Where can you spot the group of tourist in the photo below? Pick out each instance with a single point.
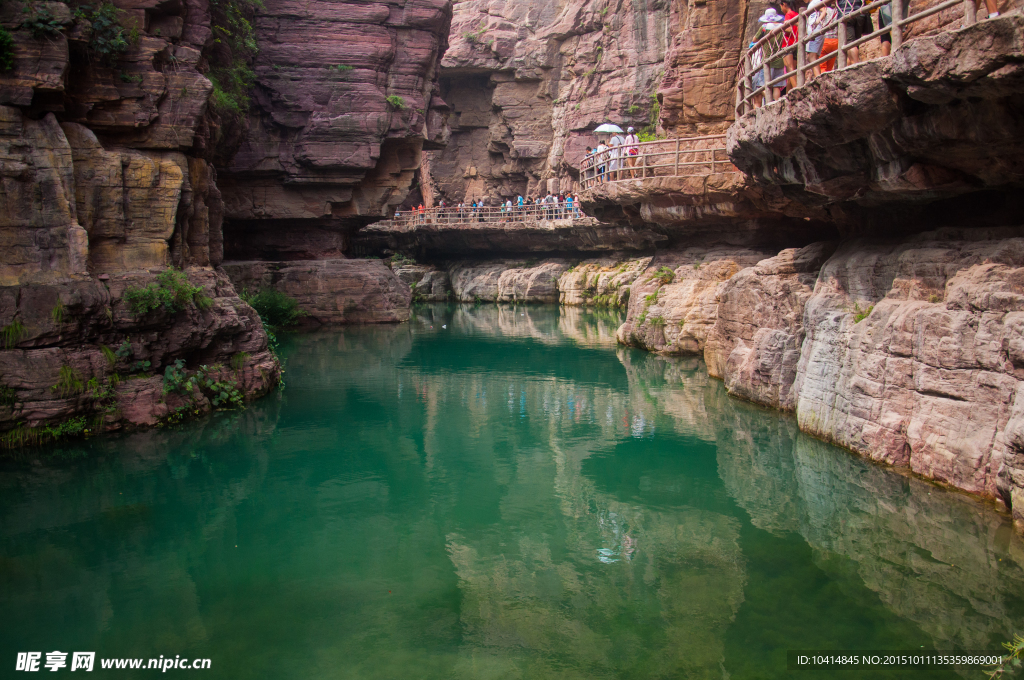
(618, 159)
(823, 24)
(550, 207)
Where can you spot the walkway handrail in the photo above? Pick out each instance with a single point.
(452, 215)
(675, 157)
(746, 92)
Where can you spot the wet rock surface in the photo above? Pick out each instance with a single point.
(330, 291)
(755, 343)
(673, 304)
(56, 367)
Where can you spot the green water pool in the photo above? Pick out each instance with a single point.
(491, 492)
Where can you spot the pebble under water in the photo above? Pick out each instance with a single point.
(492, 492)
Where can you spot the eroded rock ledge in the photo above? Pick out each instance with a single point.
(901, 142)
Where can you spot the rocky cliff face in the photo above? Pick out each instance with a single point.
(528, 81)
(106, 182)
(109, 129)
(930, 137)
(346, 100)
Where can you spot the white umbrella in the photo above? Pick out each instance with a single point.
(608, 127)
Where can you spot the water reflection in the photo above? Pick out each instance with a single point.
(492, 492)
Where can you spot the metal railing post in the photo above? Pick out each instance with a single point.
(801, 44)
(767, 76)
(841, 56)
(970, 13)
(748, 81)
(895, 30)
(677, 156)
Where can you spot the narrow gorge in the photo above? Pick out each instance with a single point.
(855, 257)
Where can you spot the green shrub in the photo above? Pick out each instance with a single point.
(124, 351)
(72, 427)
(8, 396)
(40, 22)
(220, 393)
(664, 275)
(108, 39)
(230, 72)
(399, 259)
(340, 68)
(396, 102)
(276, 309)
(12, 333)
(172, 292)
(238, 361)
(649, 132)
(6, 50)
(69, 382)
(473, 37)
(109, 355)
(231, 87)
(861, 314)
(57, 313)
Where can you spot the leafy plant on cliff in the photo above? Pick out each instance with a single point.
(40, 22)
(649, 132)
(396, 102)
(57, 313)
(12, 333)
(69, 382)
(172, 292)
(275, 308)
(235, 40)
(108, 39)
(1009, 663)
(6, 50)
(221, 393)
(861, 314)
(473, 37)
(664, 275)
(8, 396)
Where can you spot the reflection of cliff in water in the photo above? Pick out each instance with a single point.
(542, 506)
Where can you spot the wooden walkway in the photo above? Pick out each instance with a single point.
(677, 157)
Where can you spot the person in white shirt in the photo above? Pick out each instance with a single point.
(614, 153)
(632, 151)
(601, 154)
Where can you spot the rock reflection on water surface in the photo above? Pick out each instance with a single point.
(492, 492)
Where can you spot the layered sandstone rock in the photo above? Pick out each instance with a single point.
(673, 304)
(937, 120)
(330, 291)
(346, 100)
(427, 282)
(910, 356)
(105, 186)
(504, 281)
(55, 368)
(604, 282)
(755, 343)
(442, 239)
(529, 81)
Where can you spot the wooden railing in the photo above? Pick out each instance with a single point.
(678, 157)
(747, 96)
(408, 220)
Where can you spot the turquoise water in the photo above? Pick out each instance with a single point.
(492, 493)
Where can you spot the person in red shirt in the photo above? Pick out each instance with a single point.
(790, 8)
